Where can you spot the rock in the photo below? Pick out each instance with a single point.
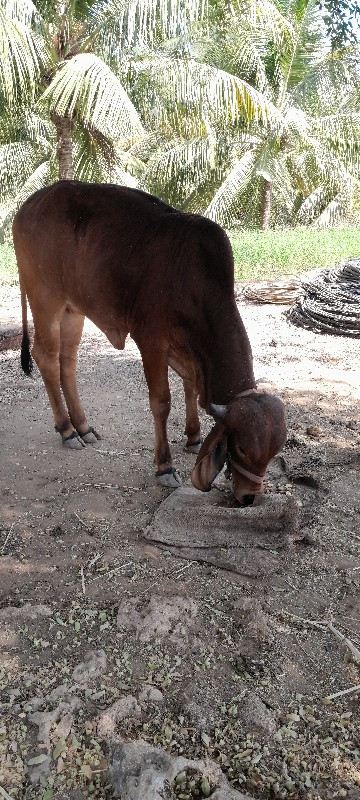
(252, 618)
(27, 611)
(90, 669)
(158, 618)
(202, 715)
(314, 431)
(62, 715)
(44, 720)
(126, 707)
(139, 771)
(63, 727)
(150, 694)
(61, 692)
(38, 772)
(256, 717)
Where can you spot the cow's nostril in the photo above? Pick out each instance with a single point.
(248, 500)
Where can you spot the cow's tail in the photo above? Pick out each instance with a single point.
(26, 360)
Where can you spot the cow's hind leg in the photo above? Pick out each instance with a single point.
(156, 373)
(46, 350)
(192, 429)
(71, 328)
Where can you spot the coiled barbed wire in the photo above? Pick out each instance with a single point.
(330, 301)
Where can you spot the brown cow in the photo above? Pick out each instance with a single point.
(133, 264)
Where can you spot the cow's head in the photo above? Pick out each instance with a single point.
(248, 433)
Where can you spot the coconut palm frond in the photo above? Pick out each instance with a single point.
(191, 85)
(265, 15)
(308, 46)
(221, 207)
(20, 59)
(176, 169)
(85, 84)
(141, 21)
(332, 213)
(311, 206)
(40, 177)
(17, 161)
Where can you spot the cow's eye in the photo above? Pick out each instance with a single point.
(241, 450)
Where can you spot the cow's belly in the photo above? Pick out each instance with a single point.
(183, 365)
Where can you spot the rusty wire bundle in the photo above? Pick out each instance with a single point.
(330, 301)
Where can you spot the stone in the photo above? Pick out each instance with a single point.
(64, 726)
(150, 694)
(44, 721)
(27, 611)
(93, 666)
(159, 618)
(126, 707)
(256, 717)
(139, 771)
(252, 618)
(38, 772)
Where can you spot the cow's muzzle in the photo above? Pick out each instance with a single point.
(246, 485)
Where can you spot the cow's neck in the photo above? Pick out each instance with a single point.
(227, 364)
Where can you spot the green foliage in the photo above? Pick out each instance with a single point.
(263, 256)
(8, 267)
(342, 19)
(202, 102)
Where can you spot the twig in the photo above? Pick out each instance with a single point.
(292, 586)
(82, 579)
(5, 795)
(7, 538)
(111, 572)
(186, 566)
(315, 623)
(82, 521)
(94, 560)
(343, 692)
(350, 646)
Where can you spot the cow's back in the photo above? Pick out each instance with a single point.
(119, 253)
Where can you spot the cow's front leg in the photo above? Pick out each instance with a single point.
(192, 428)
(156, 373)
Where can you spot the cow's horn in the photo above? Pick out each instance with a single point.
(219, 412)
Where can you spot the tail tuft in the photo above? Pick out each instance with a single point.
(26, 360)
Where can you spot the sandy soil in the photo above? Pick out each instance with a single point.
(72, 552)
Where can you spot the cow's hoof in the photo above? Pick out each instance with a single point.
(90, 437)
(170, 479)
(193, 448)
(74, 441)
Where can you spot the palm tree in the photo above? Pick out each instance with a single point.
(102, 72)
(298, 161)
(307, 161)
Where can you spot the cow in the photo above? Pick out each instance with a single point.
(134, 265)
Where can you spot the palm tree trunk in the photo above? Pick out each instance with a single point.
(64, 127)
(266, 205)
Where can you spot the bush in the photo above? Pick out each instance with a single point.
(260, 256)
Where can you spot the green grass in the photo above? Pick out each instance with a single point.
(8, 268)
(261, 256)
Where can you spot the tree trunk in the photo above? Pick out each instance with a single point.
(266, 205)
(64, 127)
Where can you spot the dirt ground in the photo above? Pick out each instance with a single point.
(246, 664)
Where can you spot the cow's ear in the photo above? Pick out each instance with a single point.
(211, 458)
